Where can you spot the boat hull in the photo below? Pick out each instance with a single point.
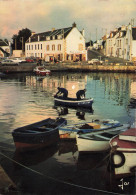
(37, 135)
(74, 103)
(30, 142)
(123, 153)
(85, 145)
(128, 167)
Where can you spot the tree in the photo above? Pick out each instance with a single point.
(20, 39)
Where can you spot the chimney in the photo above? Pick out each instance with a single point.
(53, 29)
(83, 32)
(74, 25)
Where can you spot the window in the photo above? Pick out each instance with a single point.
(120, 43)
(80, 47)
(41, 46)
(48, 38)
(35, 46)
(59, 47)
(53, 47)
(59, 36)
(53, 37)
(38, 46)
(32, 47)
(47, 48)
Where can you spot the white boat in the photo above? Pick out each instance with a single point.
(70, 131)
(98, 141)
(123, 153)
(41, 71)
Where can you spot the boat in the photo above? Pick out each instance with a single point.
(123, 153)
(98, 141)
(41, 71)
(70, 131)
(73, 102)
(37, 135)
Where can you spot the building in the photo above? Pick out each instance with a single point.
(5, 48)
(66, 44)
(121, 43)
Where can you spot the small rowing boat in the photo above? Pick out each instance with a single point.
(70, 131)
(73, 102)
(38, 135)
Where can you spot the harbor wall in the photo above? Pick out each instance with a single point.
(82, 67)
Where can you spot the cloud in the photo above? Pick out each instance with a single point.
(41, 15)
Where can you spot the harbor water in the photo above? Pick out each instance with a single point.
(60, 169)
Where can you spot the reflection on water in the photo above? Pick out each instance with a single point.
(24, 99)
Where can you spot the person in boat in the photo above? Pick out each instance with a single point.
(63, 92)
(81, 94)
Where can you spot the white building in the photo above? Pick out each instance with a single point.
(122, 43)
(61, 44)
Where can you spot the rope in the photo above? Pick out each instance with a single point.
(57, 180)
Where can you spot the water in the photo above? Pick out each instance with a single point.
(60, 169)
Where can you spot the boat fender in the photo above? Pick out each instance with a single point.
(122, 159)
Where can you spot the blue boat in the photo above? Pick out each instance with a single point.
(70, 131)
(73, 102)
(38, 135)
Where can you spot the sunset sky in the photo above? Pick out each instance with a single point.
(42, 15)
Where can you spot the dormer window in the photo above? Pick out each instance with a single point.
(53, 37)
(59, 36)
(48, 38)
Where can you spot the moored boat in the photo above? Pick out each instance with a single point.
(70, 131)
(123, 153)
(38, 135)
(41, 71)
(98, 141)
(73, 102)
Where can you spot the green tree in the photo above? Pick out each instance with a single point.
(20, 39)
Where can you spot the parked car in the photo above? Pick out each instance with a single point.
(9, 62)
(29, 60)
(95, 61)
(18, 60)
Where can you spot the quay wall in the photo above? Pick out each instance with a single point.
(93, 68)
(71, 67)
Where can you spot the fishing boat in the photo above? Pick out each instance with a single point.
(70, 131)
(41, 71)
(38, 135)
(73, 102)
(98, 141)
(123, 153)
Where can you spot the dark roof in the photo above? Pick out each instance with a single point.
(123, 34)
(42, 36)
(134, 33)
(3, 43)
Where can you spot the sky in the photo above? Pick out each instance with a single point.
(96, 17)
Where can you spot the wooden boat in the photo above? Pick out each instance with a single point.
(70, 131)
(73, 102)
(38, 135)
(41, 71)
(98, 141)
(123, 153)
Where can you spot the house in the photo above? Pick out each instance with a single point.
(66, 44)
(5, 48)
(121, 43)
